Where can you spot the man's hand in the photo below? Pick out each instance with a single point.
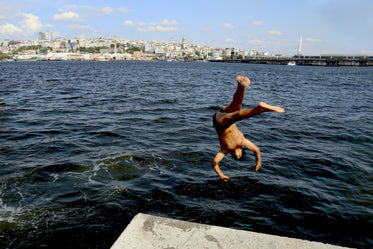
(225, 178)
(258, 166)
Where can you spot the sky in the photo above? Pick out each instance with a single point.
(326, 26)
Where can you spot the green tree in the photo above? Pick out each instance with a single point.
(33, 47)
(4, 56)
(133, 49)
(91, 50)
(45, 50)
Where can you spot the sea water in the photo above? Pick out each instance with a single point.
(85, 146)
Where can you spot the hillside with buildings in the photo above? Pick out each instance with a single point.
(114, 48)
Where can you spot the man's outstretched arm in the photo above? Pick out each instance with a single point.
(215, 164)
(251, 146)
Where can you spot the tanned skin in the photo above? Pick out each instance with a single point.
(230, 138)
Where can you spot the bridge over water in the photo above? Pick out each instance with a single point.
(328, 61)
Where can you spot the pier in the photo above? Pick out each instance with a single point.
(327, 61)
(148, 232)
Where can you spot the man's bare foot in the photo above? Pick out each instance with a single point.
(257, 167)
(243, 81)
(268, 108)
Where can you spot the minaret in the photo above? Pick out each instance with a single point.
(300, 46)
(183, 44)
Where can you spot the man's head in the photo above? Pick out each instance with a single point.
(238, 154)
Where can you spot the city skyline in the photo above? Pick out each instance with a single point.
(327, 27)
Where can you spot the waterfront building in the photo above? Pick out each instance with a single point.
(41, 36)
(159, 50)
(44, 43)
(115, 38)
(166, 49)
(48, 36)
(147, 48)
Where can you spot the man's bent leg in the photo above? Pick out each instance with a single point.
(233, 117)
(269, 108)
(238, 96)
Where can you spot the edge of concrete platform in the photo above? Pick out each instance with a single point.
(148, 231)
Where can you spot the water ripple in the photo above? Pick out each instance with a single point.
(85, 146)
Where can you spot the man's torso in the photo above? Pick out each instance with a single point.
(230, 138)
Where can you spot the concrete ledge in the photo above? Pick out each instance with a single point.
(146, 231)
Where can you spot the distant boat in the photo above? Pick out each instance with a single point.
(102, 59)
(291, 63)
(26, 59)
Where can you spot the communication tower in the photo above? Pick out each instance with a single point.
(300, 46)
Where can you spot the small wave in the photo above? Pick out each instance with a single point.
(354, 139)
(63, 167)
(122, 167)
(8, 214)
(51, 80)
(214, 107)
(167, 101)
(24, 136)
(55, 132)
(163, 119)
(104, 134)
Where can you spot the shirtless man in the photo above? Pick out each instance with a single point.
(230, 138)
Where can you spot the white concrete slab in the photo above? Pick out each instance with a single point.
(147, 231)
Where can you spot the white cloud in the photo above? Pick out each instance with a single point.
(313, 40)
(6, 13)
(158, 28)
(71, 7)
(123, 10)
(274, 32)
(166, 22)
(106, 10)
(144, 24)
(28, 25)
(67, 17)
(164, 26)
(256, 42)
(230, 40)
(228, 25)
(9, 29)
(129, 23)
(31, 23)
(86, 11)
(257, 23)
(91, 11)
(81, 27)
(166, 29)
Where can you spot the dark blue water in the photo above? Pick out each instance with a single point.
(85, 146)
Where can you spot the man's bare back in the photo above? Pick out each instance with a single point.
(230, 138)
